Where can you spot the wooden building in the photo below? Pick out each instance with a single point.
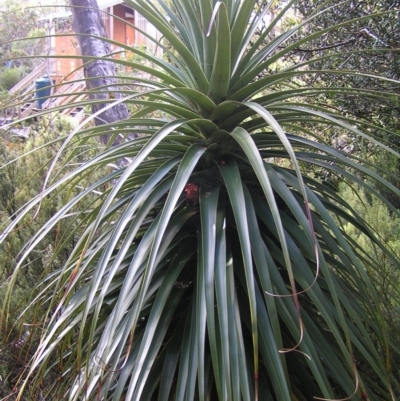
(63, 65)
(119, 20)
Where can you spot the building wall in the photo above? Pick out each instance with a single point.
(119, 26)
(130, 32)
(66, 46)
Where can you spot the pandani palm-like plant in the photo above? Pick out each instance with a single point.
(213, 266)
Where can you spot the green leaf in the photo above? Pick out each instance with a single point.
(221, 71)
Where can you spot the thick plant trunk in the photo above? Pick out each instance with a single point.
(88, 23)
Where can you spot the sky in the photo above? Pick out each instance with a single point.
(38, 2)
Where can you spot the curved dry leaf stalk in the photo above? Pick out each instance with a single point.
(355, 371)
(301, 327)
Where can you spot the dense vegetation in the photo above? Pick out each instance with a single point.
(17, 55)
(22, 178)
(248, 250)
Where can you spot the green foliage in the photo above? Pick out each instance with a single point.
(17, 24)
(387, 228)
(358, 37)
(20, 180)
(10, 77)
(367, 43)
(386, 277)
(205, 269)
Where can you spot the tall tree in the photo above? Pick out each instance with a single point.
(100, 71)
(214, 266)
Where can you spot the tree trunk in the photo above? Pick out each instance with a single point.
(100, 73)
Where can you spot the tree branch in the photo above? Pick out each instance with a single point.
(325, 47)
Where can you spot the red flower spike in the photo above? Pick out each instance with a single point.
(192, 193)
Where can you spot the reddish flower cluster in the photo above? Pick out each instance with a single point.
(192, 193)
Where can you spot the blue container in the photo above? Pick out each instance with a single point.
(43, 90)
